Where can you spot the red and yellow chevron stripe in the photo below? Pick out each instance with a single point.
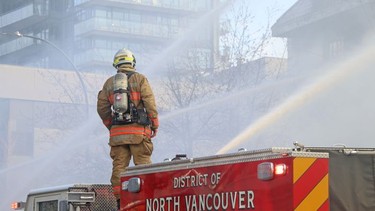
(310, 184)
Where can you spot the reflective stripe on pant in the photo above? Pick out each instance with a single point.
(121, 156)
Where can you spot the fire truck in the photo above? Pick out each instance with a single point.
(72, 197)
(296, 178)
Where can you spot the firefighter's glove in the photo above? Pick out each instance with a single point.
(154, 132)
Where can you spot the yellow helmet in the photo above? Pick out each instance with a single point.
(124, 56)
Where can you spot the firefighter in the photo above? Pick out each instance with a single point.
(132, 128)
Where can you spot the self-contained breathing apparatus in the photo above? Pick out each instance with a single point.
(124, 110)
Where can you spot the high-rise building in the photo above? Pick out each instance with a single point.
(49, 20)
(322, 32)
(89, 32)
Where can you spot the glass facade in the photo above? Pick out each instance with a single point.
(193, 5)
(130, 23)
(147, 28)
(90, 32)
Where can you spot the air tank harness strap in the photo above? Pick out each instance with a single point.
(120, 91)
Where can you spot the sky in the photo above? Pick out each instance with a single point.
(261, 8)
(273, 9)
(276, 46)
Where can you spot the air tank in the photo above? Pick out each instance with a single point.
(120, 104)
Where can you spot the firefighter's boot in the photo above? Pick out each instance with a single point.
(118, 204)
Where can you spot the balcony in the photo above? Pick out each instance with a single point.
(121, 28)
(15, 45)
(182, 5)
(23, 17)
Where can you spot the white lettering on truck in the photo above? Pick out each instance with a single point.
(187, 181)
(163, 204)
(243, 200)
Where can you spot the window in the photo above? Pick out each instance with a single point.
(100, 13)
(336, 48)
(135, 17)
(118, 14)
(100, 43)
(48, 205)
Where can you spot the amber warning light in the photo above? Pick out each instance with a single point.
(17, 205)
(280, 169)
(268, 170)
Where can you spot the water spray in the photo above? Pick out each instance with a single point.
(340, 73)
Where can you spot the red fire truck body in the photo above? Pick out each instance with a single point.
(300, 178)
(272, 179)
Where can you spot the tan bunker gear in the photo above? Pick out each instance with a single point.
(128, 140)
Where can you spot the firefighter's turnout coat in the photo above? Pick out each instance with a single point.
(141, 95)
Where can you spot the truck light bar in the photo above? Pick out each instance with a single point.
(18, 205)
(268, 170)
